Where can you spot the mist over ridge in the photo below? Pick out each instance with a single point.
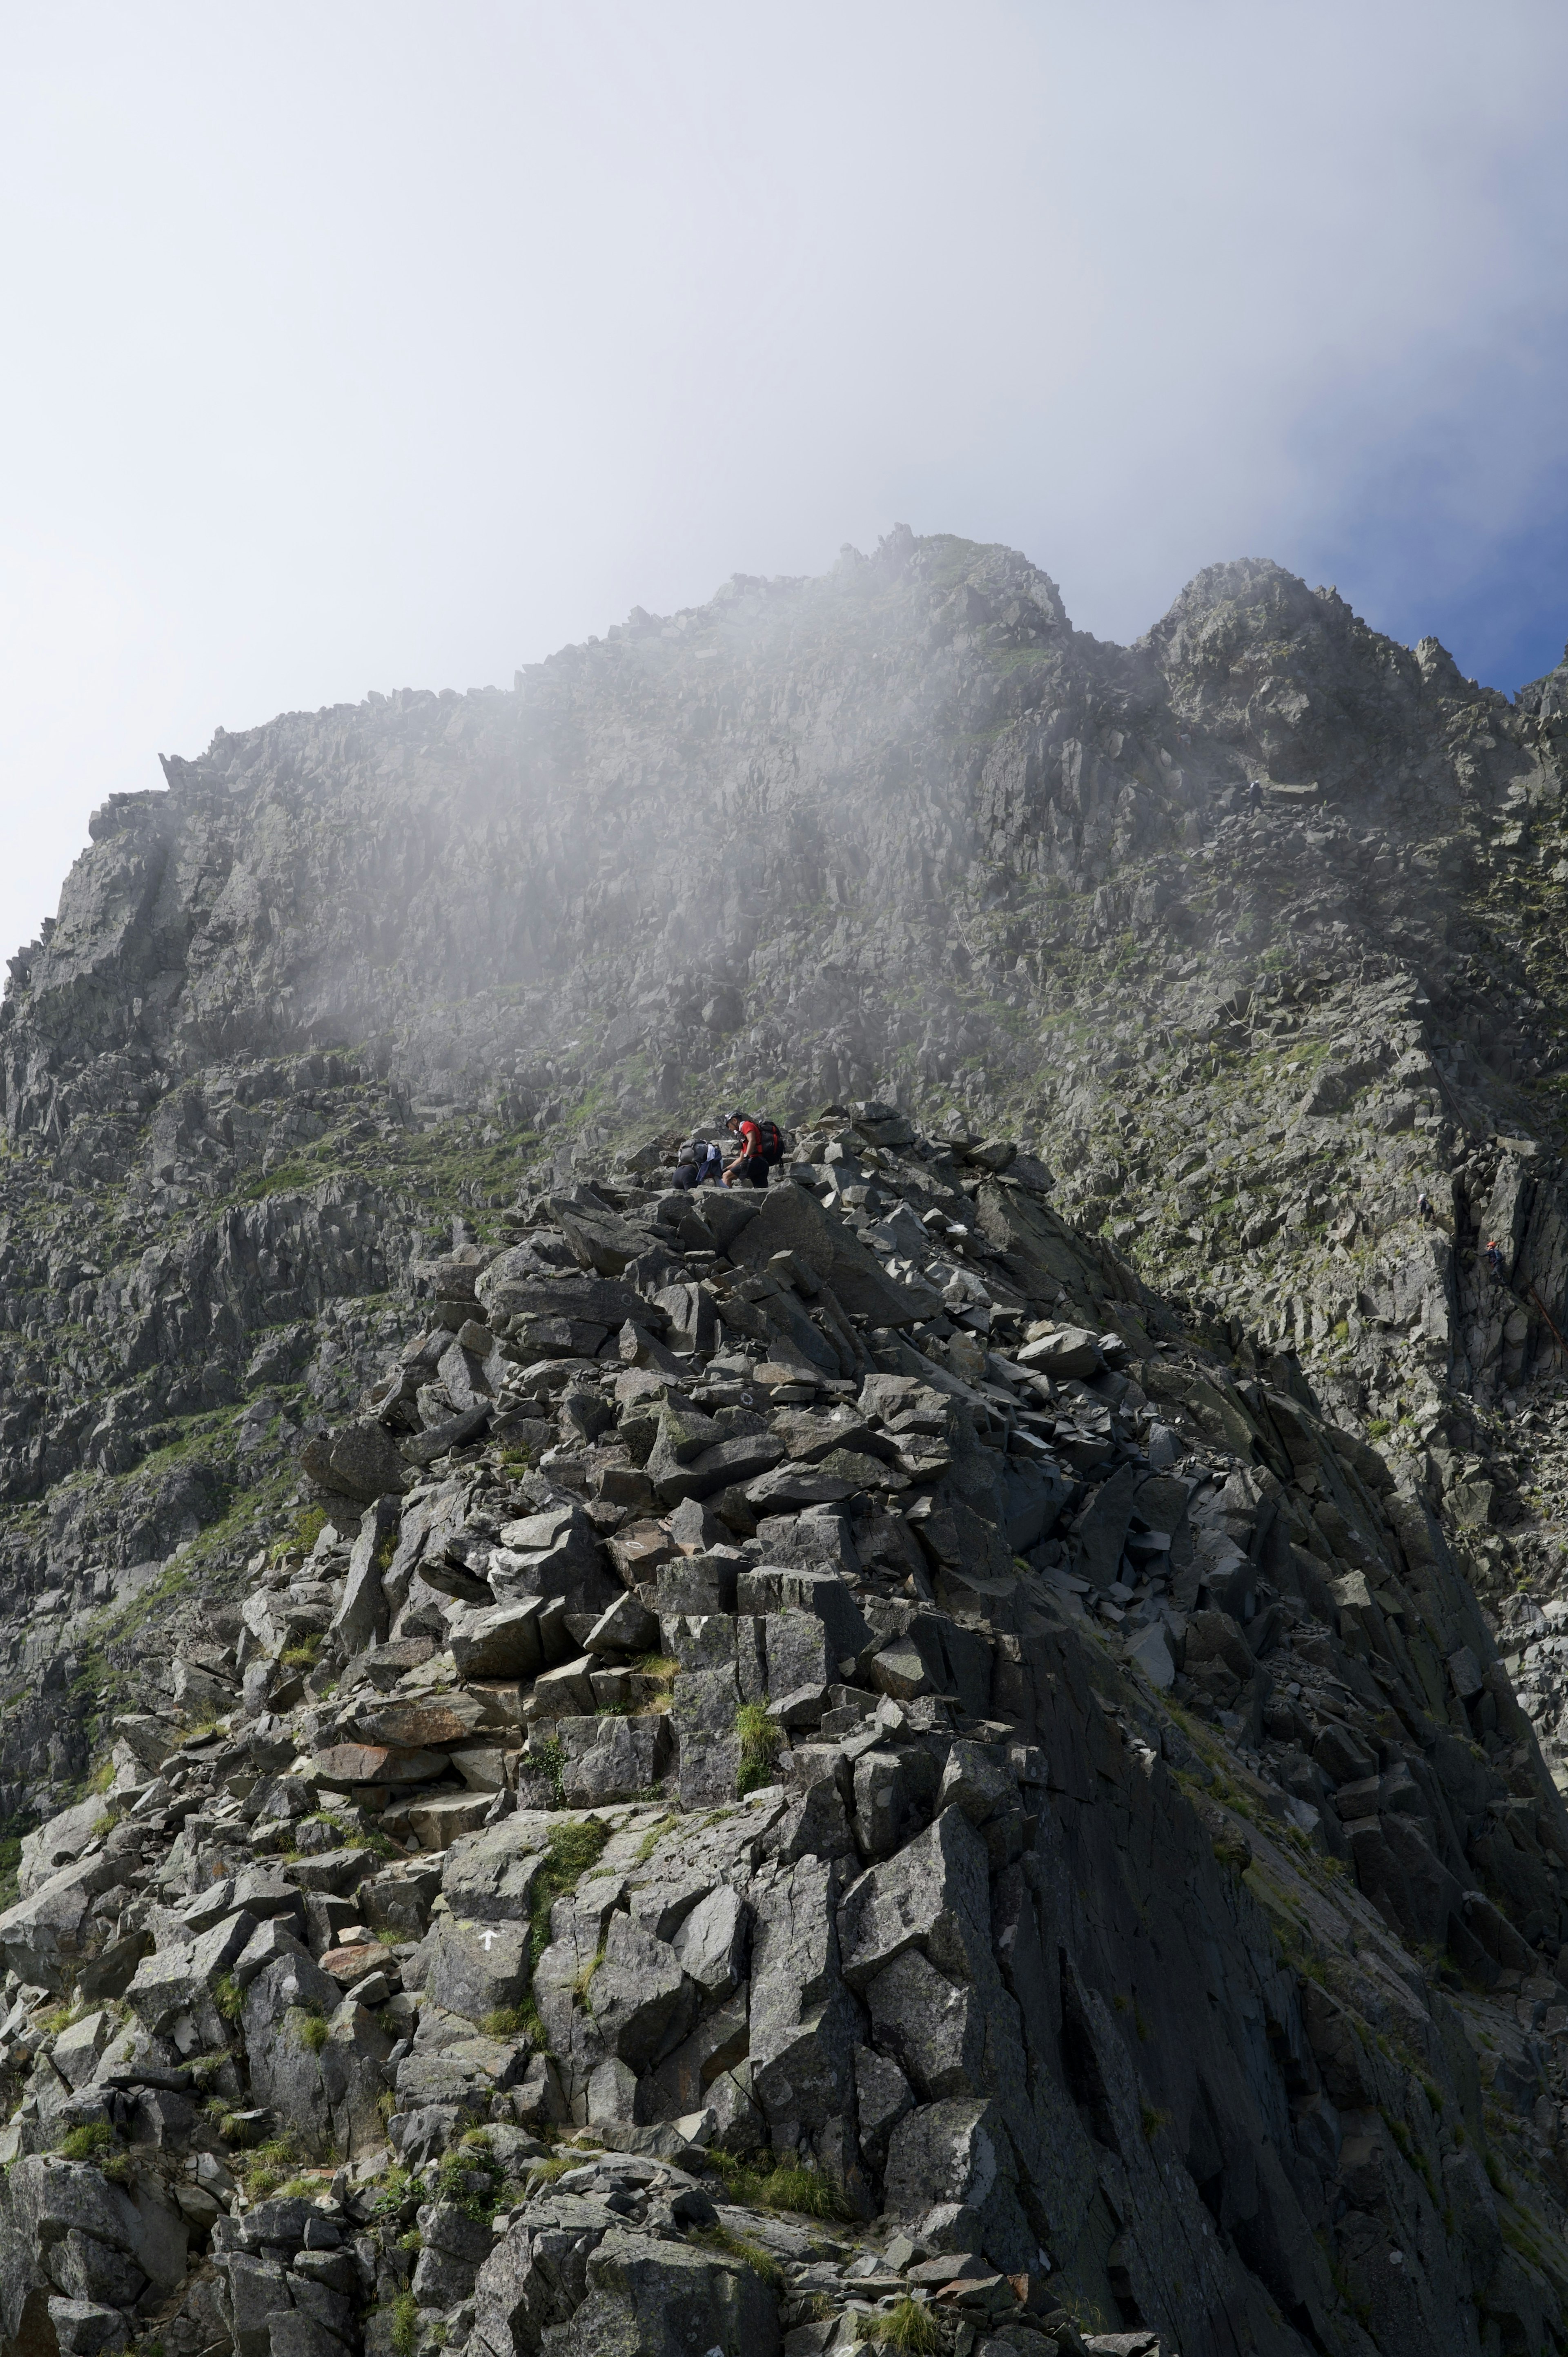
(960, 1742)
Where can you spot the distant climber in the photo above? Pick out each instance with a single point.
(1423, 1206)
(1254, 795)
(701, 1164)
(761, 1145)
(1495, 1258)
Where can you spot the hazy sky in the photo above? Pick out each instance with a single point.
(353, 346)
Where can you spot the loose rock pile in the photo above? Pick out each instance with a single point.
(831, 1777)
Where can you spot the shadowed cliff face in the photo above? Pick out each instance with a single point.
(1018, 1688)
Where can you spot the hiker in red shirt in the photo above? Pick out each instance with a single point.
(760, 1146)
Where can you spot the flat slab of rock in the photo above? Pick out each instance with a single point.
(344, 1765)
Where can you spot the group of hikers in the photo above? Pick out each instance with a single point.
(759, 1145)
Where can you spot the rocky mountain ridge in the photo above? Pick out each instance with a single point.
(1017, 1798)
(379, 996)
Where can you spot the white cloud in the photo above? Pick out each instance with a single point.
(387, 345)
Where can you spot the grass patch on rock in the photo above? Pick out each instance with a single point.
(761, 1740)
(724, 2241)
(908, 2325)
(787, 2186)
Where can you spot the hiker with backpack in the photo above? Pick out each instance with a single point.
(700, 1163)
(761, 1145)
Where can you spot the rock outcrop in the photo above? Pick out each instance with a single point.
(962, 1751)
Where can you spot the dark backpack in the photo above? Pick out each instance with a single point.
(769, 1141)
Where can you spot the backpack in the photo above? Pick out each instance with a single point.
(770, 1141)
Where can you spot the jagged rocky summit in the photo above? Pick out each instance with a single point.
(965, 1753)
(745, 1830)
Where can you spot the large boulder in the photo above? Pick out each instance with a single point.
(933, 1896)
(63, 2226)
(359, 1460)
(490, 1875)
(171, 1993)
(934, 2028)
(612, 1759)
(512, 1287)
(803, 2021)
(58, 1844)
(665, 2300)
(791, 1220)
(475, 1968)
(557, 1554)
(328, 2088)
(498, 1640)
(537, 2277)
(45, 1938)
(362, 1614)
(642, 2002)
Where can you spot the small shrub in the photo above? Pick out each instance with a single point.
(397, 2186)
(228, 1997)
(405, 2324)
(102, 1776)
(584, 1979)
(1232, 1850)
(806, 2190)
(761, 1740)
(908, 2325)
(305, 1532)
(472, 2178)
(507, 2021)
(787, 2185)
(545, 2172)
(552, 1756)
(314, 2032)
(570, 1851)
(268, 2167)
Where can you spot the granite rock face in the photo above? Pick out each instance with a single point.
(962, 1749)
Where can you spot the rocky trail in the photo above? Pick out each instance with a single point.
(757, 1821)
(965, 1753)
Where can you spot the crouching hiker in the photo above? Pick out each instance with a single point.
(761, 1144)
(701, 1165)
